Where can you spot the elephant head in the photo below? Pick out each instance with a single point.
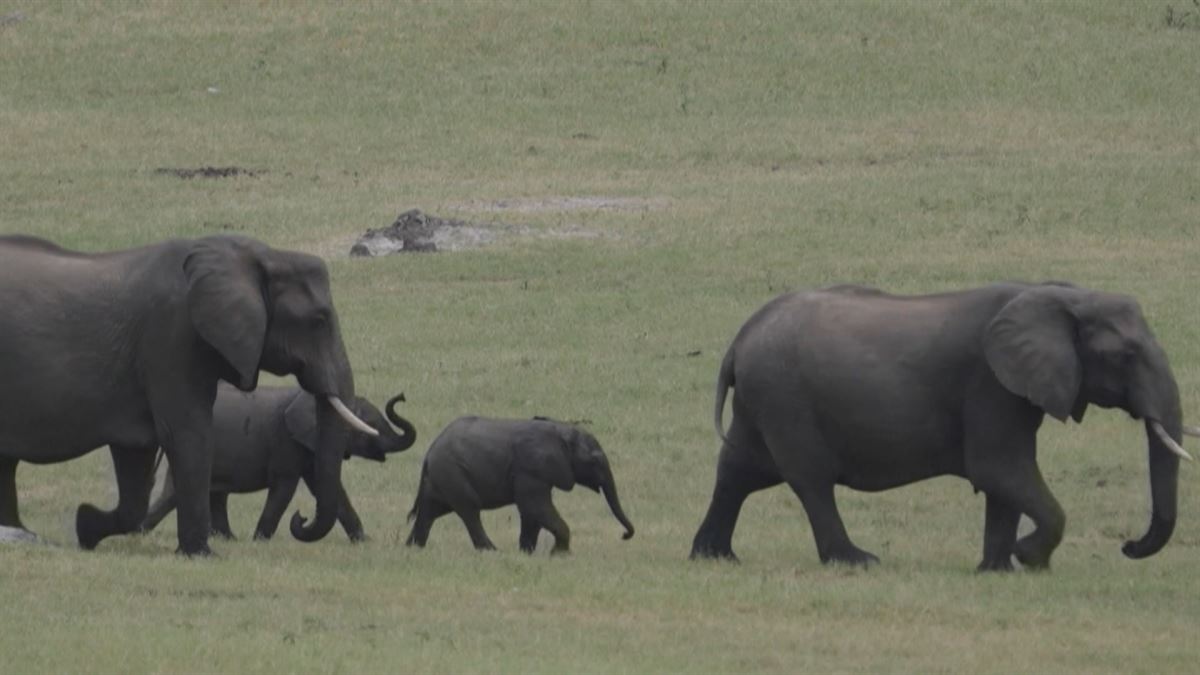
(581, 460)
(1063, 348)
(260, 308)
(300, 419)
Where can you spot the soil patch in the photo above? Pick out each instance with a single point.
(209, 172)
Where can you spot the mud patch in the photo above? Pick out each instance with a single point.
(415, 231)
(209, 172)
(545, 204)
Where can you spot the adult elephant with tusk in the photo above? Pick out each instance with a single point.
(134, 342)
(852, 386)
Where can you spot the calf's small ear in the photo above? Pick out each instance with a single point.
(300, 418)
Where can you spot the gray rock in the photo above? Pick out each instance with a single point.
(417, 232)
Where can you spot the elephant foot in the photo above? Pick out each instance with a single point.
(8, 533)
(199, 552)
(488, 546)
(557, 552)
(91, 526)
(261, 536)
(705, 550)
(852, 556)
(358, 537)
(1030, 557)
(1004, 565)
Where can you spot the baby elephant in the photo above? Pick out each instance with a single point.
(479, 463)
(266, 439)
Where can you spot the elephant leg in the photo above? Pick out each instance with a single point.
(10, 516)
(218, 507)
(737, 477)
(999, 536)
(479, 538)
(1001, 460)
(537, 511)
(540, 510)
(810, 466)
(134, 468)
(530, 529)
(162, 507)
(1023, 487)
(428, 511)
(279, 495)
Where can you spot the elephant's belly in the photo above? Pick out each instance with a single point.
(884, 458)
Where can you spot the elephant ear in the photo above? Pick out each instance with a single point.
(300, 418)
(543, 453)
(225, 298)
(1030, 346)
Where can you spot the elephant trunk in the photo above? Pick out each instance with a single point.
(408, 434)
(1164, 427)
(609, 488)
(333, 438)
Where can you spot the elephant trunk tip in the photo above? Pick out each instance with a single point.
(1153, 541)
(628, 533)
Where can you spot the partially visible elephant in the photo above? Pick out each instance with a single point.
(479, 463)
(267, 440)
(125, 349)
(852, 386)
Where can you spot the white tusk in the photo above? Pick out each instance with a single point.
(1191, 431)
(353, 420)
(1168, 441)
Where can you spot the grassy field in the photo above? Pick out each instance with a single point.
(917, 146)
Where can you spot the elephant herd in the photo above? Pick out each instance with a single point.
(156, 351)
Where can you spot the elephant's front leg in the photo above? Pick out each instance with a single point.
(537, 511)
(134, 468)
(9, 514)
(279, 495)
(999, 535)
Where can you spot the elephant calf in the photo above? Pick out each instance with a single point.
(479, 463)
(265, 439)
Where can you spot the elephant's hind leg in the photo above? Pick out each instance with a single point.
(810, 468)
(428, 510)
(10, 516)
(218, 506)
(134, 468)
(479, 537)
(743, 468)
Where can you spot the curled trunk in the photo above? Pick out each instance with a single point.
(408, 434)
(332, 434)
(609, 488)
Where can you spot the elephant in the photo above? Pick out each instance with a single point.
(483, 463)
(126, 348)
(852, 386)
(266, 439)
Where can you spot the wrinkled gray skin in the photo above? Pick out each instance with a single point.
(851, 386)
(125, 349)
(267, 440)
(478, 463)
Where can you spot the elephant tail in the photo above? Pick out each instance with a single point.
(412, 513)
(724, 382)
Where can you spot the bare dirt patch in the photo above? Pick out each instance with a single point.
(209, 172)
(415, 231)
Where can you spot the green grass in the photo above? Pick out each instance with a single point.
(914, 146)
